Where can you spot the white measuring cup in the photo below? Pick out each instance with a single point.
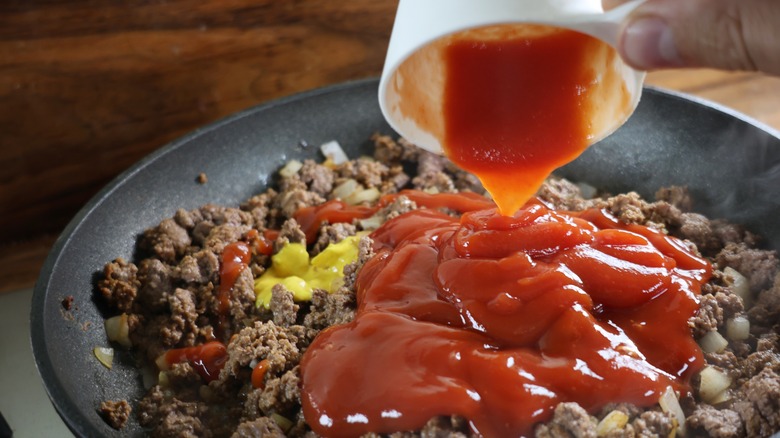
(411, 89)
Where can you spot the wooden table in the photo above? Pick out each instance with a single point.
(88, 87)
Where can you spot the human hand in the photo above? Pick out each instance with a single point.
(722, 34)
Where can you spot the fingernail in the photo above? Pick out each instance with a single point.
(648, 43)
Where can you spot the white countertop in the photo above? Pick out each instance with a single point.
(23, 401)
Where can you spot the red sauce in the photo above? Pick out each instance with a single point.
(235, 259)
(311, 218)
(499, 319)
(335, 211)
(207, 359)
(515, 110)
(263, 243)
(258, 373)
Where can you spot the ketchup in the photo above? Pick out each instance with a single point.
(515, 109)
(498, 319)
(335, 211)
(235, 259)
(263, 243)
(207, 359)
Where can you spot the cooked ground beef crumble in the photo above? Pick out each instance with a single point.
(171, 298)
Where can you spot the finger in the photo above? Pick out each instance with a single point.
(724, 34)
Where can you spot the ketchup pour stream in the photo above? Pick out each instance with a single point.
(516, 110)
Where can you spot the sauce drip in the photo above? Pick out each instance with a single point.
(235, 259)
(207, 359)
(498, 319)
(515, 110)
(263, 243)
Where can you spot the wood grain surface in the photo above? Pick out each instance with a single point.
(88, 87)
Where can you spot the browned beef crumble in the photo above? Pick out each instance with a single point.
(116, 413)
(170, 297)
(67, 302)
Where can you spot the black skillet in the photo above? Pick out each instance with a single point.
(730, 164)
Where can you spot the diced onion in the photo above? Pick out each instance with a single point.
(149, 377)
(291, 168)
(361, 196)
(162, 379)
(118, 330)
(723, 397)
(739, 284)
(345, 189)
(713, 342)
(431, 190)
(615, 420)
(105, 355)
(283, 422)
(371, 223)
(333, 151)
(738, 328)
(713, 383)
(670, 404)
(162, 363)
(587, 191)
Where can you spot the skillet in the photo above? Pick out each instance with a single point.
(731, 165)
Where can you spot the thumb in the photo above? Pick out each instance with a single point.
(723, 34)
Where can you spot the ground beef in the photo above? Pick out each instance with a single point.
(262, 427)
(290, 201)
(156, 280)
(290, 233)
(766, 311)
(259, 208)
(332, 234)
(761, 265)
(676, 196)
(282, 306)
(171, 297)
(723, 423)
(709, 317)
(116, 413)
(431, 176)
(329, 309)
(759, 404)
(199, 268)
(318, 178)
(279, 395)
(387, 150)
(562, 194)
(654, 423)
(170, 416)
(569, 420)
(281, 347)
(396, 180)
(628, 208)
(119, 285)
(183, 316)
(167, 241)
(365, 252)
(698, 230)
(399, 206)
(366, 171)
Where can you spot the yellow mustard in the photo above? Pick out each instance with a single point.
(292, 268)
